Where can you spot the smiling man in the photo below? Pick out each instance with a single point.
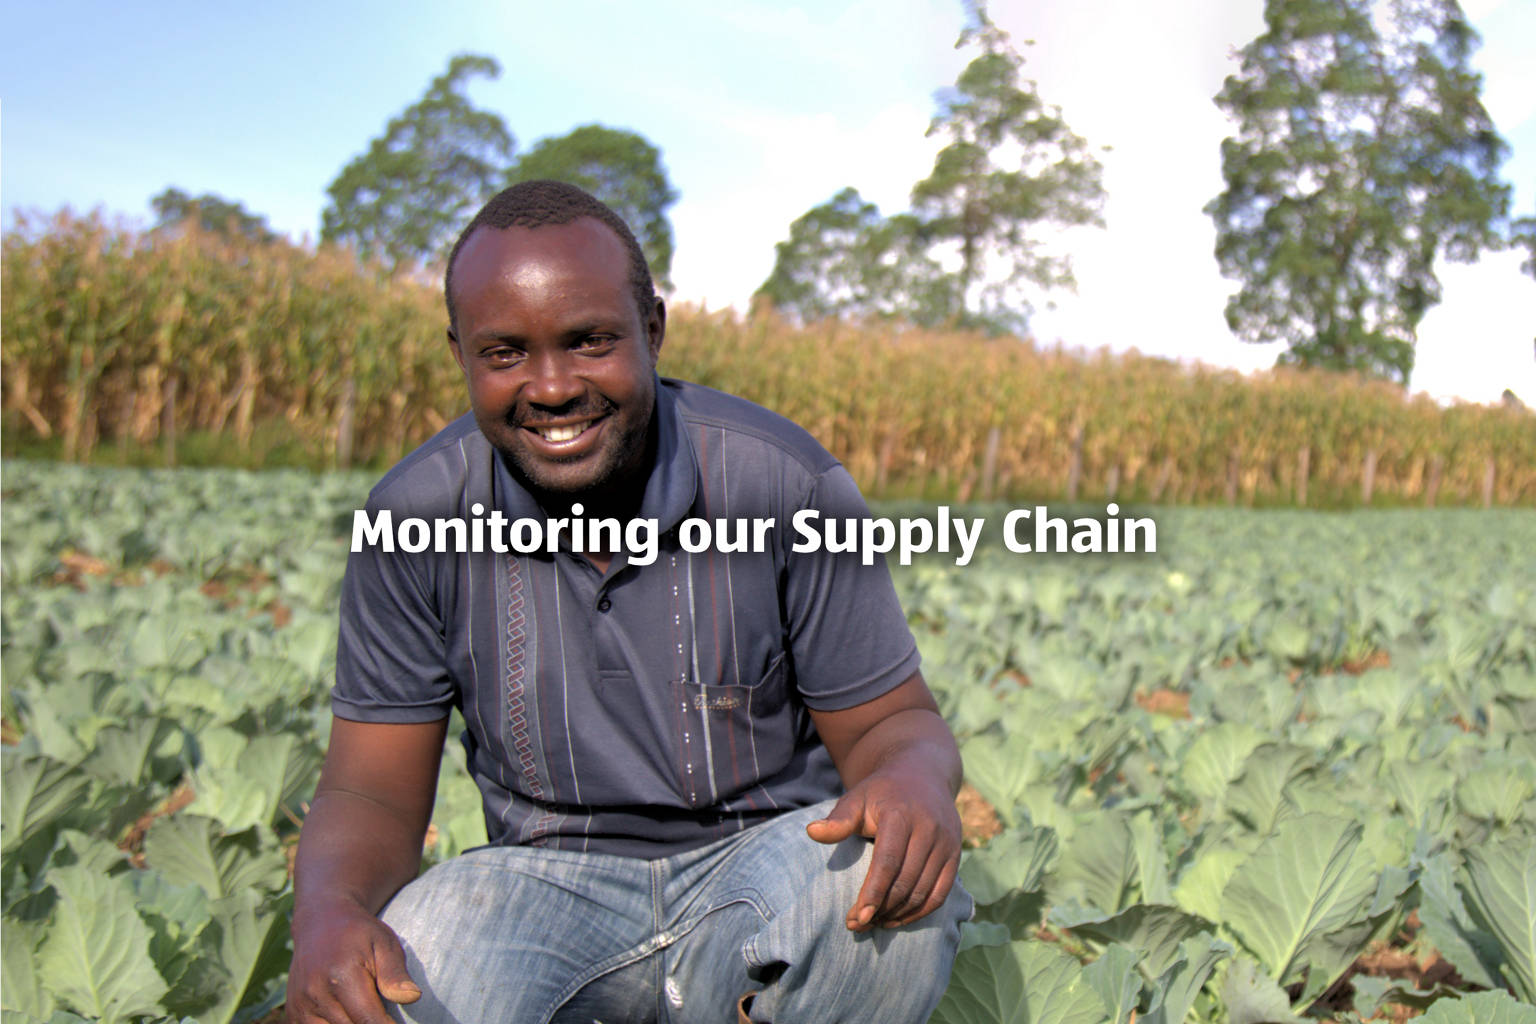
(716, 786)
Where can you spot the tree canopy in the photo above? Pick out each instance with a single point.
(211, 213)
(1362, 152)
(407, 197)
(622, 169)
(969, 253)
(843, 259)
(1010, 166)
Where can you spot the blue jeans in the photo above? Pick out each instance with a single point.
(508, 935)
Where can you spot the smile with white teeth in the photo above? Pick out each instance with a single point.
(557, 435)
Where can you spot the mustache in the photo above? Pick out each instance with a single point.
(582, 408)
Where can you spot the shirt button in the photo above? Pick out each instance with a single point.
(604, 604)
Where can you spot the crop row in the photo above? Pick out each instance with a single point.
(117, 337)
(1219, 782)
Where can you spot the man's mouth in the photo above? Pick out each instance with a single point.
(562, 434)
(559, 434)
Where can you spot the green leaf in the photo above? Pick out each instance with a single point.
(1199, 891)
(21, 989)
(1156, 932)
(192, 848)
(1303, 883)
(1005, 877)
(1174, 992)
(1482, 1008)
(1257, 798)
(1252, 997)
(39, 795)
(1501, 893)
(1115, 978)
(248, 936)
(95, 956)
(1099, 864)
(124, 753)
(1450, 929)
(1020, 983)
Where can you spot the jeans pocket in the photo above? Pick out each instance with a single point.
(733, 737)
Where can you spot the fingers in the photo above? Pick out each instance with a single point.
(349, 981)
(886, 864)
(936, 894)
(394, 983)
(845, 820)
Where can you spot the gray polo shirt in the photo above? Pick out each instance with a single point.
(652, 708)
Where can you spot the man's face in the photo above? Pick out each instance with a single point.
(560, 362)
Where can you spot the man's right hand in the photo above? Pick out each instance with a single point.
(345, 963)
(360, 844)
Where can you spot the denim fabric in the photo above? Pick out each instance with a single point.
(512, 934)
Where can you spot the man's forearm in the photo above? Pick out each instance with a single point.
(916, 741)
(353, 849)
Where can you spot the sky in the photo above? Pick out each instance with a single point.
(761, 108)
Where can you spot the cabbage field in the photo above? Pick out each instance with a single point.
(1284, 768)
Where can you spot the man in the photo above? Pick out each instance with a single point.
(660, 741)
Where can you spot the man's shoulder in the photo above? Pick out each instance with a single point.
(433, 479)
(760, 429)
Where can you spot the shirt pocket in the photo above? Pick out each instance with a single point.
(732, 738)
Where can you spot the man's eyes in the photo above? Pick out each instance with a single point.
(507, 356)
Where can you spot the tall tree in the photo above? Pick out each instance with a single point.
(405, 199)
(1010, 166)
(1362, 153)
(622, 169)
(212, 213)
(843, 259)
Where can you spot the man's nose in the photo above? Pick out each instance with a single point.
(552, 379)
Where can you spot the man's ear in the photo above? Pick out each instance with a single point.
(656, 329)
(458, 354)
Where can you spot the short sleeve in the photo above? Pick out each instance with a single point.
(847, 634)
(390, 652)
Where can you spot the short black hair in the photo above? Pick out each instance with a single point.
(533, 204)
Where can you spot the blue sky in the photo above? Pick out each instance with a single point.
(761, 109)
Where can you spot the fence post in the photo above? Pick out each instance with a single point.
(1075, 470)
(1112, 484)
(168, 420)
(883, 465)
(1368, 477)
(1233, 468)
(989, 465)
(1431, 489)
(1161, 483)
(1303, 471)
(1490, 474)
(344, 423)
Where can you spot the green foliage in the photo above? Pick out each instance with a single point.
(168, 641)
(215, 214)
(843, 259)
(621, 168)
(1011, 164)
(408, 196)
(1362, 153)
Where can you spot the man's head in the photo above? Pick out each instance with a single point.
(559, 354)
(533, 204)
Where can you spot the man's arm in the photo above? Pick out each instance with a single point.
(901, 769)
(361, 842)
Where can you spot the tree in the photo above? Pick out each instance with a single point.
(843, 259)
(1362, 152)
(406, 198)
(1011, 165)
(622, 169)
(212, 213)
